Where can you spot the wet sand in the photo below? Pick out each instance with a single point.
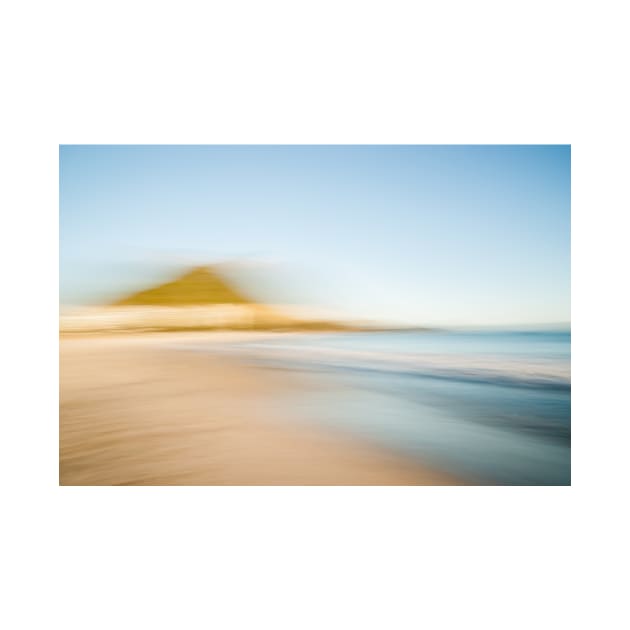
(136, 412)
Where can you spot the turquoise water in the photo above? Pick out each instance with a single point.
(494, 407)
(550, 344)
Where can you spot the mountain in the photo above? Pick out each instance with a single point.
(199, 286)
(214, 304)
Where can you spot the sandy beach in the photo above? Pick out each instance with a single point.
(134, 411)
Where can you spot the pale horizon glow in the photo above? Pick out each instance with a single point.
(424, 235)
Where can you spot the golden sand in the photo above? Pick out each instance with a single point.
(133, 412)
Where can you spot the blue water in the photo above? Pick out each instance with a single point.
(548, 344)
(492, 407)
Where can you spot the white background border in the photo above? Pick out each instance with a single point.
(325, 72)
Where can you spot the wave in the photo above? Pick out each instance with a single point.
(515, 371)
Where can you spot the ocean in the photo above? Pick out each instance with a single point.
(493, 407)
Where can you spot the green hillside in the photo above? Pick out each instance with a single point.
(197, 287)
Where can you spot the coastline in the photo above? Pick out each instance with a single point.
(135, 412)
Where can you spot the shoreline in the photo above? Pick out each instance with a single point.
(134, 412)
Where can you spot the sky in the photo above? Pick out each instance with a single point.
(426, 235)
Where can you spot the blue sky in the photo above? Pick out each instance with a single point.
(449, 235)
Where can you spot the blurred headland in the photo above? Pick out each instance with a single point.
(200, 298)
(201, 286)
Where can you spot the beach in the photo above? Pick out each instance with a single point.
(135, 410)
